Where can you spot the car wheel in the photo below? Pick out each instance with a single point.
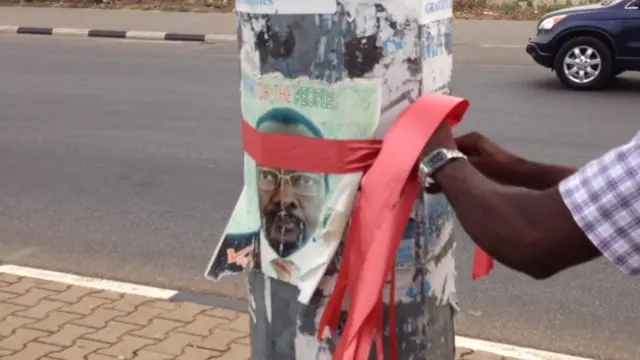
(583, 63)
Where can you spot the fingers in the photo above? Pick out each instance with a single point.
(470, 143)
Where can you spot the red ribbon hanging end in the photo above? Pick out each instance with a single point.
(482, 264)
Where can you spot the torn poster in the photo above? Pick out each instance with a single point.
(286, 223)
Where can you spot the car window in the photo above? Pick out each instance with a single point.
(633, 4)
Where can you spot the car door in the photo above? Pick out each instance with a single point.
(630, 34)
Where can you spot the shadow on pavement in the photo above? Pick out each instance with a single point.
(624, 85)
(621, 85)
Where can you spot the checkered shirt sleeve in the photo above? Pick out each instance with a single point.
(604, 199)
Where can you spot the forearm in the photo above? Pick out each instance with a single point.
(519, 227)
(534, 175)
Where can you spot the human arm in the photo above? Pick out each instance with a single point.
(530, 231)
(504, 167)
(538, 176)
(542, 232)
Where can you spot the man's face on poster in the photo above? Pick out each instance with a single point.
(290, 205)
(290, 201)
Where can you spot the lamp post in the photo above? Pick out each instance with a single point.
(340, 69)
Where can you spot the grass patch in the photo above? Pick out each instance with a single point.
(508, 9)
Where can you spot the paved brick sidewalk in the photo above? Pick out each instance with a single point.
(52, 321)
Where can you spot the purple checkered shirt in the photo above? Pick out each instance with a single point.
(604, 199)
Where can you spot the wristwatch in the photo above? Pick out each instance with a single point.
(431, 163)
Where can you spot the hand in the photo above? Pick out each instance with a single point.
(490, 159)
(442, 138)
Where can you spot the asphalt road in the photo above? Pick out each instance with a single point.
(122, 160)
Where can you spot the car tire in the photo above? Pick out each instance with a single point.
(590, 49)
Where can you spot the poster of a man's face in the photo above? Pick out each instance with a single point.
(288, 222)
(290, 201)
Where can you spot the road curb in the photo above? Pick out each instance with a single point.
(118, 34)
(162, 36)
(475, 345)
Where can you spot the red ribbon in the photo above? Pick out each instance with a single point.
(482, 264)
(388, 191)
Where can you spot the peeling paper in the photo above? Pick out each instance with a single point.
(317, 207)
(440, 265)
(415, 37)
(267, 298)
(249, 56)
(306, 345)
(437, 62)
(405, 46)
(435, 10)
(252, 303)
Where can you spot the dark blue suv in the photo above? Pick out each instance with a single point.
(589, 45)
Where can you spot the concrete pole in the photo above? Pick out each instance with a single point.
(347, 69)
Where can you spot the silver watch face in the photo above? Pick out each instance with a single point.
(435, 160)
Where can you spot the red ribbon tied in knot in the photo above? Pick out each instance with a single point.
(388, 191)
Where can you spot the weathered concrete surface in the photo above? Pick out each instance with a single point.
(407, 57)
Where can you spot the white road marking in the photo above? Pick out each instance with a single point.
(506, 350)
(531, 66)
(511, 351)
(508, 46)
(89, 282)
